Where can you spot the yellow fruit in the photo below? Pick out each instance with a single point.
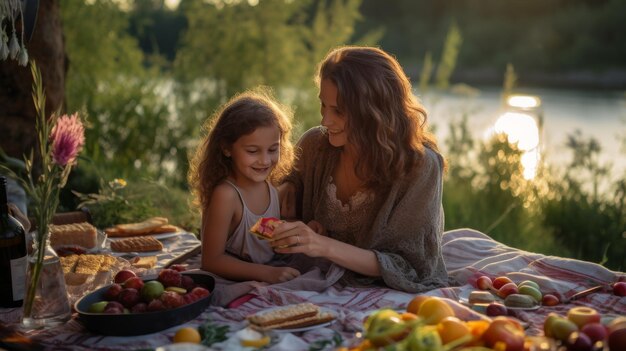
(433, 310)
(187, 334)
(176, 289)
(416, 302)
(256, 342)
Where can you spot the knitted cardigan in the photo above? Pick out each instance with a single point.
(403, 227)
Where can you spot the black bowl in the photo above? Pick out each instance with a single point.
(140, 323)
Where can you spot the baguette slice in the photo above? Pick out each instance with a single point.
(136, 244)
(142, 227)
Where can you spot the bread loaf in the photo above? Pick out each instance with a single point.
(80, 234)
(136, 244)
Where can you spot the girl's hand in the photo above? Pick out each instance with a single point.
(274, 275)
(297, 237)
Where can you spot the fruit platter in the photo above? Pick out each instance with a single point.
(135, 305)
(429, 323)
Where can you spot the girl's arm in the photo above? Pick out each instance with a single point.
(216, 224)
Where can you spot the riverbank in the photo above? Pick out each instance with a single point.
(614, 79)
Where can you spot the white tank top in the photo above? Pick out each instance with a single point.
(246, 246)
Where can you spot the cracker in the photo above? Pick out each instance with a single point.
(302, 313)
(146, 262)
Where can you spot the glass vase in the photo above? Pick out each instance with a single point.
(46, 302)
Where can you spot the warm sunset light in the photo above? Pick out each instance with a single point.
(521, 129)
(523, 101)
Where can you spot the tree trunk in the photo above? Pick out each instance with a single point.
(17, 112)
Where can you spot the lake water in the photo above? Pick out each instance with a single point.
(597, 114)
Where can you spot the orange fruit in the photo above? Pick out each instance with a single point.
(187, 334)
(408, 316)
(416, 302)
(434, 310)
(452, 328)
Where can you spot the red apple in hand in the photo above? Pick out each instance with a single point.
(619, 288)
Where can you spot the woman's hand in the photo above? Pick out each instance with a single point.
(317, 227)
(297, 237)
(274, 275)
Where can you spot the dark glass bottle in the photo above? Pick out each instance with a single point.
(12, 254)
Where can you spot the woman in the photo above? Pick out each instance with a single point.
(369, 180)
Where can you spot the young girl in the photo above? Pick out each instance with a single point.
(245, 152)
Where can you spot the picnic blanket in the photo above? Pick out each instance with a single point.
(467, 254)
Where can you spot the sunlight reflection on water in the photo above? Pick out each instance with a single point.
(601, 115)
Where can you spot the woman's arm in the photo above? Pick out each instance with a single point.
(297, 237)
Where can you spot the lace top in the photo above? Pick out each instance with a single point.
(348, 217)
(401, 223)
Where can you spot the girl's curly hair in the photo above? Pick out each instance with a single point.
(242, 115)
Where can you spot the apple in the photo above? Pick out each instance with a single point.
(129, 297)
(531, 291)
(433, 310)
(155, 305)
(139, 307)
(134, 283)
(97, 307)
(582, 315)
(123, 275)
(484, 282)
(500, 281)
(496, 309)
(617, 339)
(112, 292)
(616, 323)
(548, 322)
(503, 329)
(114, 307)
(562, 328)
(550, 300)
(170, 277)
(151, 290)
(619, 288)
(507, 289)
(529, 282)
(171, 299)
(578, 341)
(595, 331)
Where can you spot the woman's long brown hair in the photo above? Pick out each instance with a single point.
(385, 121)
(242, 115)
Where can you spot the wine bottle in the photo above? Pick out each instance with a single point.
(12, 254)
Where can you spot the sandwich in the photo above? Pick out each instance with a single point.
(264, 227)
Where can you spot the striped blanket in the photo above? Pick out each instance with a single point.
(468, 254)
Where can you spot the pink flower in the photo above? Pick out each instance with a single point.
(67, 138)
